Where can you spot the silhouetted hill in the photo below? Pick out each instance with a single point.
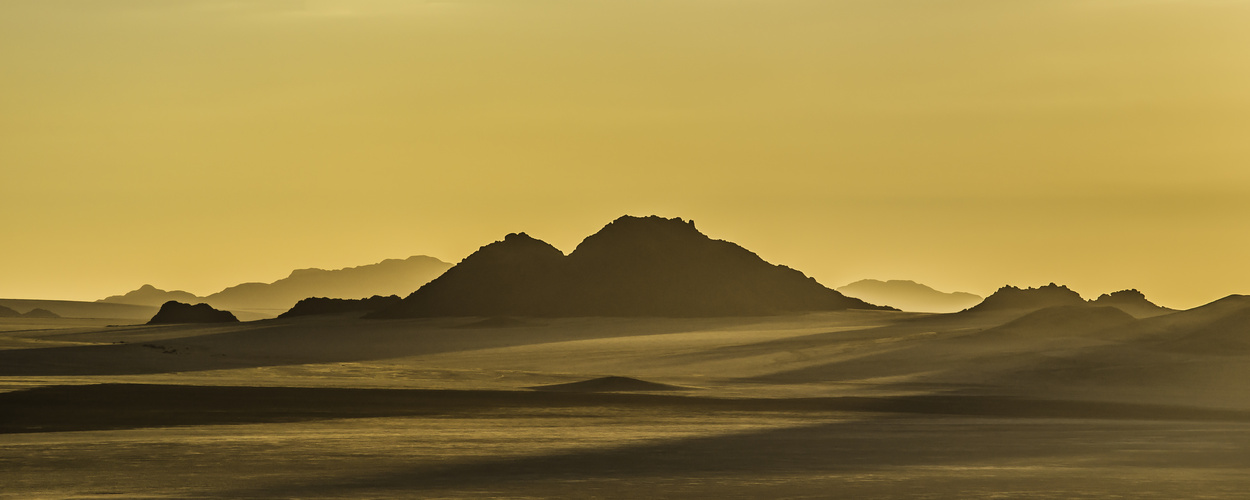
(389, 277)
(1221, 327)
(1065, 321)
(1010, 298)
(1132, 302)
(610, 384)
(634, 266)
(148, 295)
(321, 305)
(178, 312)
(909, 296)
(9, 313)
(40, 313)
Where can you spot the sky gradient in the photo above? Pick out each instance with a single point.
(1102, 144)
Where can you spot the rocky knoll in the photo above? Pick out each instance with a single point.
(178, 312)
(322, 305)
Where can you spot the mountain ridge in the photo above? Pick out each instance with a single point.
(633, 266)
(909, 296)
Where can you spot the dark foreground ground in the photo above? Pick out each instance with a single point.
(170, 441)
(838, 405)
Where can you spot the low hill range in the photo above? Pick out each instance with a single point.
(313, 306)
(389, 277)
(908, 295)
(1014, 299)
(633, 267)
(37, 312)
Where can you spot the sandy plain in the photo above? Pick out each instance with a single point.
(847, 404)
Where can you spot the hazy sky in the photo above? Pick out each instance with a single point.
(1103, 144)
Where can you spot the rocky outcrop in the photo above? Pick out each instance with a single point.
(1132, 302)
(321, 305)
(178, 312)
(1010, 298)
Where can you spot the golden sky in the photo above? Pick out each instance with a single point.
(1102, 144)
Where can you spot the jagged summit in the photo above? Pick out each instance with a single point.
(634, 266)
(1131, 301)
(1014, 298)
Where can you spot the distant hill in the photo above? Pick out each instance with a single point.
(1010, 298)
(178, 312)
(77, 309)
(40, 313)
(634, 266)
(389, 277)
(1132, 302)
(9, 313)
(321, 305)
(909, 296)
(148, 295)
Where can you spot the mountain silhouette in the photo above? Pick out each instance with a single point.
(178, 312)
(40, 313)
(1010, 298)
(148, 295)
(321, 305)
(634, 266)
(909, 296)
(389, 277)
(1132, 302)
(9, 313)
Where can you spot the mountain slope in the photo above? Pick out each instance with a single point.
(909, 296)
(148, 295)
(389, 277)
(634, 266)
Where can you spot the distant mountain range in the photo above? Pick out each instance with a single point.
(389, 277)
(909, 296)
(634, 266)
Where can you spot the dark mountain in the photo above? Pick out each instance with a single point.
(389, 277)
(909, 296)
(1132, 302)
(178, 312)
(321, 305)
(634, 266)
(40, 313)
(148, 295)
(1010, 298)
(9, 313)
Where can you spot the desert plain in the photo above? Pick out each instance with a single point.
(841, 404)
